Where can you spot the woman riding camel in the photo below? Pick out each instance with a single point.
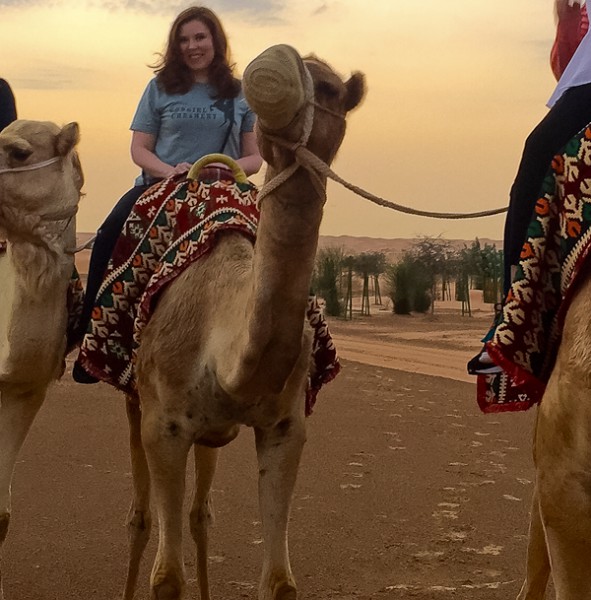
(570, 111)
(193, 106)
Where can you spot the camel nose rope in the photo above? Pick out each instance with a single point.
(318, 168)
(311, 161)
(33, 167)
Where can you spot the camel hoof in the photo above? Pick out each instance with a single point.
(285, 591)
(166, 591)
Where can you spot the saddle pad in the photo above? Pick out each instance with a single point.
(174, 223)
(526, 339)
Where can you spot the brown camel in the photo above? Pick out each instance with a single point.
(40, 183)
(560, 526)
(226, 345)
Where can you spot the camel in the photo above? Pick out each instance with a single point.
(226, 345)
(40, 183)
(560, 524)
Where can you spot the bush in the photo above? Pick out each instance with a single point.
(410, 286)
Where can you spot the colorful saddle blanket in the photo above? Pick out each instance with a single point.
(174, 223)
(525, 340)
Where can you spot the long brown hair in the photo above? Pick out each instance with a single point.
(173, 74)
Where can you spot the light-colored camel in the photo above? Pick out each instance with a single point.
(560, 526)
(40, 183)
(226, 345)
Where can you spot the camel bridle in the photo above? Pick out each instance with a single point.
(319, 170)
(303, 157)
(32, 167)
(56, 217)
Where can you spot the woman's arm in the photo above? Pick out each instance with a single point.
(250, 158)
(142, 154)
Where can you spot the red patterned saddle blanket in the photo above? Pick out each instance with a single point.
(174, 223)
(525, 340)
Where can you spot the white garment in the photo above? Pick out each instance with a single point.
(577, 72)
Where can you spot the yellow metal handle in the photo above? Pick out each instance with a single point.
(239, 174)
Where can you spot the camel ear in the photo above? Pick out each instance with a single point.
(67, 138)
(355, 90)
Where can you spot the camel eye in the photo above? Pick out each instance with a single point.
(20, 154)
(326, 89)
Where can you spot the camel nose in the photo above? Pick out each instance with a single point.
(273, 84)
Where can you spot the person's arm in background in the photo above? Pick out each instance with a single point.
(250, 159)
(572, 24)
(7, 105)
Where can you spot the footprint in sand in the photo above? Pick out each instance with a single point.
(455, 536)
(491, 550)
(512, 498)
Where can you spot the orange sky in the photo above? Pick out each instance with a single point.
(453, 89)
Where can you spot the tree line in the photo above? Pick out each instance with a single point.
(430, 269)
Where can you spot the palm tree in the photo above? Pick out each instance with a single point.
(327, 274)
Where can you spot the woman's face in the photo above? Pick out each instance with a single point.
(196, 46)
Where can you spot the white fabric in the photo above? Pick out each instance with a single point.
(577, 72)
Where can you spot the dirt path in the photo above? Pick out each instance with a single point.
(425, 361)
(438, 345)
(405, 491)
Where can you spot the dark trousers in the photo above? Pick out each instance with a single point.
(566, 118)
(105, 241)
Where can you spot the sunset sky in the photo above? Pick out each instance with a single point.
(454, 88)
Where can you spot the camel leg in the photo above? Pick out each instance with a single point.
(563, 466)
(201, 516)
(139, 519)
(538, 565)
(167, 447)
(278, 450)
(17, 412)
(564, 488)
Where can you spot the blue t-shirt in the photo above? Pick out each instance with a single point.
(188, 126)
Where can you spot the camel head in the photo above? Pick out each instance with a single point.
(40, 173)
(301, 101)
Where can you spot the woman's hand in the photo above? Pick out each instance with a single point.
(180, 169)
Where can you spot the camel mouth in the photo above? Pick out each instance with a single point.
(274, 86)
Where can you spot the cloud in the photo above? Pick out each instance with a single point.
(54, 77)
(264, 10)
(321, 9)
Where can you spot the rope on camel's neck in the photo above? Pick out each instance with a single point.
(317, 168)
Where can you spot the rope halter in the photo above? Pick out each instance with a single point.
(66, 214)
(33, 167)
(299, 148)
